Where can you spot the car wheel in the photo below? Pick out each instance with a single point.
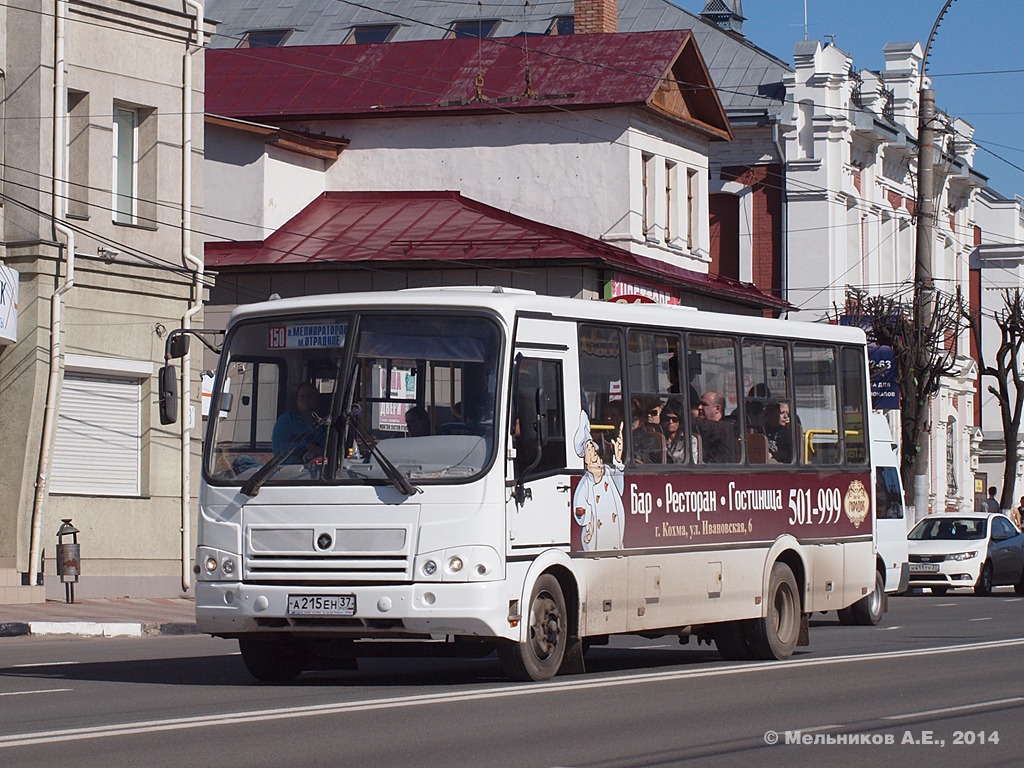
(983, 586)
(1019, 586)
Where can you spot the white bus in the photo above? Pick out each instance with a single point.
(495, 468)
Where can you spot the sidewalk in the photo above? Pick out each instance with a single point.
(127, 617)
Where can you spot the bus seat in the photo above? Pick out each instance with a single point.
(757, 448)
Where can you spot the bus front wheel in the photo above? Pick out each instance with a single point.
(540, 655)
(776, 634)
(273, 660)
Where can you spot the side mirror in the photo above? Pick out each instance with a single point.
(168, 394)
(177, 345)
(225, 402)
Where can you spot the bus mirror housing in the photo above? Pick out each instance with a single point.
(168, 394)
(177, 345)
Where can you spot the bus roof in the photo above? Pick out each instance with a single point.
(507, 302)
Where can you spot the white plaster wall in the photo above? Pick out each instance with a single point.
(256, 187)
(577, 171)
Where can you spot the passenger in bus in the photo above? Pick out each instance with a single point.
(417, 422)
(647, 441)
(718, 438)
(778, 428)
(675, 436)
(298, 432)
(755, 404)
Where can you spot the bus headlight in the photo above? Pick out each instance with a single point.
(460, 564)
(215, 564)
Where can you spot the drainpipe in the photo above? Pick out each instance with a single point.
(196, 263)
(783, 214)
(58, 207)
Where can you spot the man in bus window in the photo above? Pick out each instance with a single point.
(718, 440)
(297, 431)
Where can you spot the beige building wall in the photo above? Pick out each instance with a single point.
(132, 282)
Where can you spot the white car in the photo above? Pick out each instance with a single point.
(980, 550)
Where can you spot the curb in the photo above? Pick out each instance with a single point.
(95, 628)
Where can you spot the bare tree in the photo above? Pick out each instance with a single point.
(1005, 368)
(924, 351)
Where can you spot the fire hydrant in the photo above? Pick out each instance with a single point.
(69, 558)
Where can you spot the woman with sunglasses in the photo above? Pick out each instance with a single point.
(672, 427)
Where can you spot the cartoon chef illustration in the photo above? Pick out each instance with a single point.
(597, 503)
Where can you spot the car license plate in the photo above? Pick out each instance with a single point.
(924, 567)
(321, 605)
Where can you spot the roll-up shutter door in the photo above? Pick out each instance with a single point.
(98, 445)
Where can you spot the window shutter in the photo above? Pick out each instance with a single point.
(98, 446)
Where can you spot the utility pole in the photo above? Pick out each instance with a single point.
(924, 286)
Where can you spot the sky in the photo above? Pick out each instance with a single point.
(976, 60)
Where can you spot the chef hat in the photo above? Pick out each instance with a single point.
(583, 435)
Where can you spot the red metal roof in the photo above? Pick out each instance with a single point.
(353, 228)
(467, 75)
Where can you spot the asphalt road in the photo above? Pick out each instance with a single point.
(937, 683)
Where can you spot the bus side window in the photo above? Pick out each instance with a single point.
(538, 421)
(601, 385)
(817, 404)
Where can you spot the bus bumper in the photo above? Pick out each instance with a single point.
(482, 609)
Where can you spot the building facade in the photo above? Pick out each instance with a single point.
(102, 146)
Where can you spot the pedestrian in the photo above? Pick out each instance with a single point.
(1017, 514)
(990, 504)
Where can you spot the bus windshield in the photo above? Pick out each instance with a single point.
(355, 398)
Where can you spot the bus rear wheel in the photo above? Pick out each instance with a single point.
(732, 638)
(540, 655)
(776, 634)
(273, 660)
(868, 610)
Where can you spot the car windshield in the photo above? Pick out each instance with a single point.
(375, 399)
(949, 529)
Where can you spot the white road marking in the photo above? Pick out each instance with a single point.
(533, 690)
(962, 708)
(30, 693)
(43, 664)
(985, 618)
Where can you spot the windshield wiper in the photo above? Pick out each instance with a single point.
(252, 486)
(400, 481)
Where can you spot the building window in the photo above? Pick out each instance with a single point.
(952, 483)
(477, 28)
(126, 165)
(98, 445)
(647, 181)
(371, 33)
(692, 207)
(135, 168)
(265, 38)
(670, 201)
(76, 161)
(562, 25)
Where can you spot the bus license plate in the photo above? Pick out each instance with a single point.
(321, 605)
(924, 567)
